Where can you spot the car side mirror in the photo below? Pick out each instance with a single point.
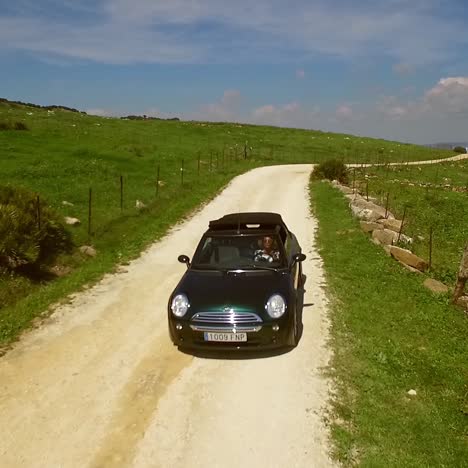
(299, 257)
(184, 259)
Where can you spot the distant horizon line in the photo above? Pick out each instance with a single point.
(439, 145)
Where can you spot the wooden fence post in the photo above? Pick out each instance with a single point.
(386, 205)
(38, 210)
(89, 210)
(401, 226)
(430, 247)
(462, 276)
(121, 193)
(157, 182)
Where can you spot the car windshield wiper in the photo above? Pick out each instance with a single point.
(201, 266)
(255, 266)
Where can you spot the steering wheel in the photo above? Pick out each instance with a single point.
(263, 257)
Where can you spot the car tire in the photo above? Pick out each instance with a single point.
(300, 277)
(295, 332)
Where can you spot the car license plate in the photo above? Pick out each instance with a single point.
(226, 337)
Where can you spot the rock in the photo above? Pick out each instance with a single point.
(412, 392)
(408, 258)
(387, 249)
(409, 268)
(88, 250)
(366, 214)
(421, 238)
(60, 270)
(435, 286)
(72, 221)
(361, 213)
(384, 236)
(367, 210)
(345, 231)
(367, 226)
(462, 301)
(406, 239)
(66, 203)
(139, 205)
(392, 224)
(356, 199)
(344, 189)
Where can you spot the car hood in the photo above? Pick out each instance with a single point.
(244, 291)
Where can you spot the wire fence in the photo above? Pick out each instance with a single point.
(431, 221)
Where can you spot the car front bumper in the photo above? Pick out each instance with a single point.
(267, 337)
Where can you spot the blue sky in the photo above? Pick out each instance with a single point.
(396, 69)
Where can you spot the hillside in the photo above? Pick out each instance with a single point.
(168, 167)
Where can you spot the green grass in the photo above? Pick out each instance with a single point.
(63, 154)
(429, 196)
(389, 335)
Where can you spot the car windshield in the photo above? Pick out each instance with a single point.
(239, 252)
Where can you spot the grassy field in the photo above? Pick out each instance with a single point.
(435, 196)
(389, 335)
(60, 155)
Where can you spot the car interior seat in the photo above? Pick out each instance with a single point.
(225, 254)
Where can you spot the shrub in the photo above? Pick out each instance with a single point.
(332, 169)
(459, 149)
(22, 242)
(5, 125)
(20, 126)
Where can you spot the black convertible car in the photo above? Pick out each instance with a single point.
(243, 287)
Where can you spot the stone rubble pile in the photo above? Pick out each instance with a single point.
(384, 230)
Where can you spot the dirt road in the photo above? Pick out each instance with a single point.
(458, 157)
(100, 384)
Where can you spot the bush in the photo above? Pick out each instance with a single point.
(459, 149)
(20, 126)
(5, 125)
(332, 169)
(22, 242)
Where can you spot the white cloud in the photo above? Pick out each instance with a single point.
(300, 74)
(100, 112)
(445, 85)
(397, 111)
(434, 116)
(226, 109)
(291, 114)
(344, 111)
(106, 43)
(448, 97)
(403, 69)
(150, 31)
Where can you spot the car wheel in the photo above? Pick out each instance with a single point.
(300, 278)
(294, 340)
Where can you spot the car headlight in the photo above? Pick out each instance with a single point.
(180, 305)
(275, 306)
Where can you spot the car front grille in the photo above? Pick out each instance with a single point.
(227, 319)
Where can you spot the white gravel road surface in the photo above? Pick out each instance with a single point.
(99, 384)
